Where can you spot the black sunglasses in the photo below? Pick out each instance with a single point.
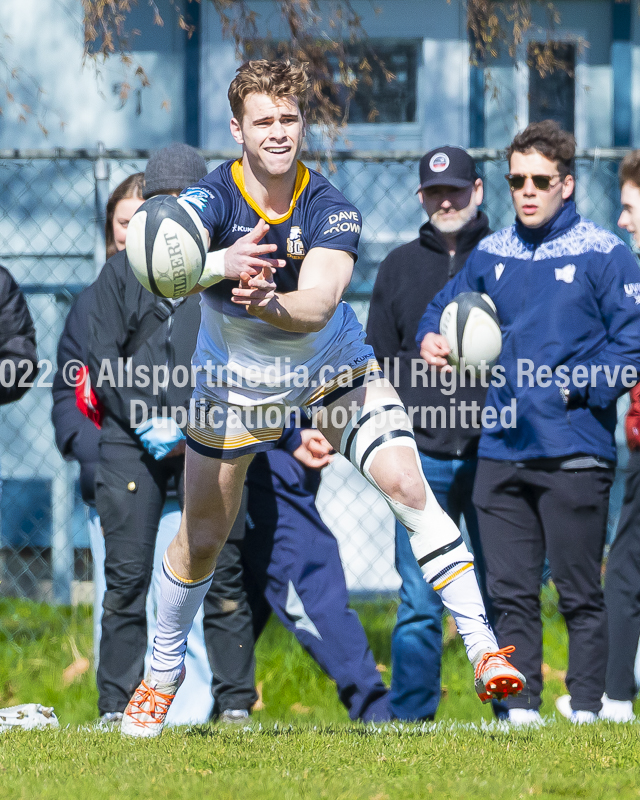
(541, 182)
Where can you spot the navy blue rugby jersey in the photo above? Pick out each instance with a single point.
(319, 217)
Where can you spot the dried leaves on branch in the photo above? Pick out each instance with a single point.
(333, 44)
(495, 25)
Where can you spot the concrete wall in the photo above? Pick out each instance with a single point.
(46, 40)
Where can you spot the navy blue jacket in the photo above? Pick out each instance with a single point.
(567, 294)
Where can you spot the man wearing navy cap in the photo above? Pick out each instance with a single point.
(450, 192)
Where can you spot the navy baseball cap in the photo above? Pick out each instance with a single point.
(447, 166)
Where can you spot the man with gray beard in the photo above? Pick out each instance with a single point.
(408, 279)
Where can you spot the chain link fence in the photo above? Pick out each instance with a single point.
(52, 207)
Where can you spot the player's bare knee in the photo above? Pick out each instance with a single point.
(404, 486)
(204, 550)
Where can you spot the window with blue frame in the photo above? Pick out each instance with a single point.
(552, 89)
(387, 71)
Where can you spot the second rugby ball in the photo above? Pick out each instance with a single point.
(472, 328)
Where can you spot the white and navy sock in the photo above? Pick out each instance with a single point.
(450, 571)
(461, 595)
(179, 602)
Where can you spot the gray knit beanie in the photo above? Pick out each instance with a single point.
(174, 167)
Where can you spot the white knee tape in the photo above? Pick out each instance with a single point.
(373, 427)
(435, 540)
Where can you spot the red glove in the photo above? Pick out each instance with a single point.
(86, 399)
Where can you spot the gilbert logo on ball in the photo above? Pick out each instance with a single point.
(439, 162)
(165, 246)
(472, 328)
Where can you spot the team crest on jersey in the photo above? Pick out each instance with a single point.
(295, 247)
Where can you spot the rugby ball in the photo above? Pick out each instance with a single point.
(165, 246)
(471, 326)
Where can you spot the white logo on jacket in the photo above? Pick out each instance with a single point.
(566, 274)
(499, 268)
(633, 290)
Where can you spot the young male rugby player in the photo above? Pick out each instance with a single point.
(293, 240)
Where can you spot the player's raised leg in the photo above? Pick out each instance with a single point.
(213, 489)
(378, 440)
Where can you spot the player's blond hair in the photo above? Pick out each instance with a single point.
(276, 79)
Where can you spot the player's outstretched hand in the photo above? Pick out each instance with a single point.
(255, 291)
(246, 255)
(434, 350)
(315, 452)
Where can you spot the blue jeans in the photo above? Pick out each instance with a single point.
(416, 644)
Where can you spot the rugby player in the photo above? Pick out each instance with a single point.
(281, 337)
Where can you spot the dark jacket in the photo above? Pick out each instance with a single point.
(18, 356)
(407, 281)
(567, 296)
(76, 436)
(120, 304)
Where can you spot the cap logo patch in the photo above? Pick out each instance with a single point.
(439, 162)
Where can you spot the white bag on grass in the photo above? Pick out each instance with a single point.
(28, 716)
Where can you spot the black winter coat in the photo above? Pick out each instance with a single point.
(408, 279)
(18, 356)
(120, 303)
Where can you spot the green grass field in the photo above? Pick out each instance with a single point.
(301, 744)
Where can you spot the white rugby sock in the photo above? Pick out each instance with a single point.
(177, 607)
(462, 597)
(440, 551)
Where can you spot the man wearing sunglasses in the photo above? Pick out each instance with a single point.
(563, 289)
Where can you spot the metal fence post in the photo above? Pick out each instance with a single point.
(62, 555)
(101, 178)
(62, 500)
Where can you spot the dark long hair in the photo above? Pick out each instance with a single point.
(130, 187)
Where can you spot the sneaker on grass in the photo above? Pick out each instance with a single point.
(579, 717)
(110, 721)
(234, 716)
(616, 710)
(525, 718)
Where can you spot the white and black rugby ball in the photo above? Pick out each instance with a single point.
(165, 246)
(471, 326)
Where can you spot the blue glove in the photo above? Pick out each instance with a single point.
(159, 435)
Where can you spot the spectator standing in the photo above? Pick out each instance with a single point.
(408, 279)
(75, 415)
(547, 455)
(622, 579)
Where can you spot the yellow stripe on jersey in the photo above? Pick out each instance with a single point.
(302, 179)
(222, 442)
(335, 383)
